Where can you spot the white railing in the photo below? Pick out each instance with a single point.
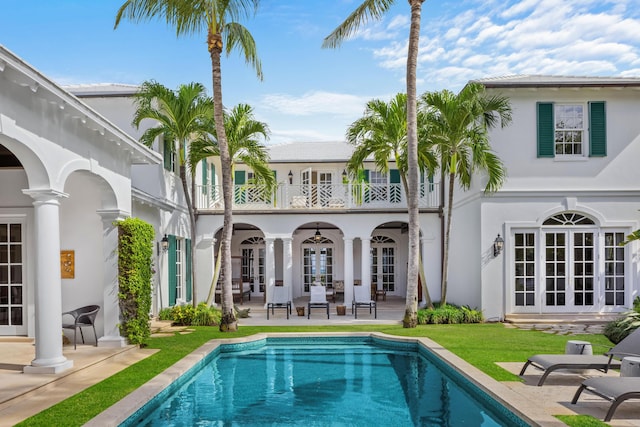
(316, 196)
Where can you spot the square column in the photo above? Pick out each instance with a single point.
(287, 265)
(110, 301)
(366, 264)
(348, 270)
(270, 267)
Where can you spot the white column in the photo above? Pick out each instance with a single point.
(348, 270)
(48, 285)
(270, 267)
(287, 265)
(110, 303)
(366, 265)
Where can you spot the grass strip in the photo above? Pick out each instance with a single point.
(479, 344)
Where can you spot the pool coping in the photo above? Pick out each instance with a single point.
(526, 409)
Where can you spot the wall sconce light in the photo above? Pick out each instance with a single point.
(290, 175)
(498, 245)
(317, 237)
(164, 243)
(344, 175)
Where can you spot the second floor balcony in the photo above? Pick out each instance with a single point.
(363, 196)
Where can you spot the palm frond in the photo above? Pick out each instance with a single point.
(367, 11)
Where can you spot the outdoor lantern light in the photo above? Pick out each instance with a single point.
(317, 237)
(498, 244)
(164, 243)
(344, 175)
(290, 175)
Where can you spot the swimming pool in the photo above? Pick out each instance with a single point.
(346, 380)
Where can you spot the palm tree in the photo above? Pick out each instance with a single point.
(459, 127)
(375, 9)
(181, 115)
(219, 18)
(243, 136)
(382, 133)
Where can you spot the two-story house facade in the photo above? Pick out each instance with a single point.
(571, 196)
(70, 165)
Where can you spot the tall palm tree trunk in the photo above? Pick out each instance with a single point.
(410, 319)
(445, 255)
(423, 278)
(228, 323)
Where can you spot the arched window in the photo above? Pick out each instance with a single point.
(568, 218)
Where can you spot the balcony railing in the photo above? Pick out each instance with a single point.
(316, 196)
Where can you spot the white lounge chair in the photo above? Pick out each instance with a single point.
(362, 298)
(630, 346)
(280, 300)
(318, 299)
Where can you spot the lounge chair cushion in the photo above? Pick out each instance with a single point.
(615, 389)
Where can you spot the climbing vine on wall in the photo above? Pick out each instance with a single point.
(135, 251)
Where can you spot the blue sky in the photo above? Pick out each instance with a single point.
(313, 94)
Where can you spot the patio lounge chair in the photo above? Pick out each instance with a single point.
(280, 300)
(630, 346)
(362, 298)
(318, 299)
(83, 316)
(614, 389)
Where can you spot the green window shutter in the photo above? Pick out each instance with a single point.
(187, 260)
(171, 259)
(546, 129)
(395, 191)
(597, 129)
(166, 154)
(239, 193)
(205, 179)
(214, 189)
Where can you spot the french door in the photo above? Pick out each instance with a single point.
(12, 289)
(383, 266)
(579, 270)
(317, 265)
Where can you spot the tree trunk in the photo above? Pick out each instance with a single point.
(214, 281)
(445, 255)
(228, 323)
(410, 319)
(421, 274)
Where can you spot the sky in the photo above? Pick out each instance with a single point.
(314, 94)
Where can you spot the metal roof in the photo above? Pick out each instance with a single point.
(534, 81)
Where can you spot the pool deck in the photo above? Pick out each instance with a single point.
(23, 395)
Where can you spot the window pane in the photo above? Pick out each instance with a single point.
(14, 233)
(4, 315)
(4, 295)
(16, 316)
(16, 295)
(519, 299)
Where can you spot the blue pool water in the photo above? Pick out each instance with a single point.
(352, 381)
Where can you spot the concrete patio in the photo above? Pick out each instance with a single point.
(23, 395)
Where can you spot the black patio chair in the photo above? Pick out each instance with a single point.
(83, 316)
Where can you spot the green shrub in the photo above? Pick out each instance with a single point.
(135, 250)
(186, 315)
(183, 314)
(618, 329)
(206, 316)
(165, 314)
(449, 314)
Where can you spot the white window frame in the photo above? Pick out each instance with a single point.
(560, 147)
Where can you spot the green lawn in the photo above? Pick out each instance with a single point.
(479, 344)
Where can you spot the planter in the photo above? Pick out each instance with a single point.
(341, 309)
(300, 311)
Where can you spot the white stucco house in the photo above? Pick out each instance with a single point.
(70, 165)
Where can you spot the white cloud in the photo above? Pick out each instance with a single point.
(315, 102)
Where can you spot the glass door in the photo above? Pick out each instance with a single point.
(12, 295)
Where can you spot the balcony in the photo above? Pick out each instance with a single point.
(249, 197)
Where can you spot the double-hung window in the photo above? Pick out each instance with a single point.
(571, 129)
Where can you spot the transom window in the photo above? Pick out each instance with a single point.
(569, 129)
(568, 218)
